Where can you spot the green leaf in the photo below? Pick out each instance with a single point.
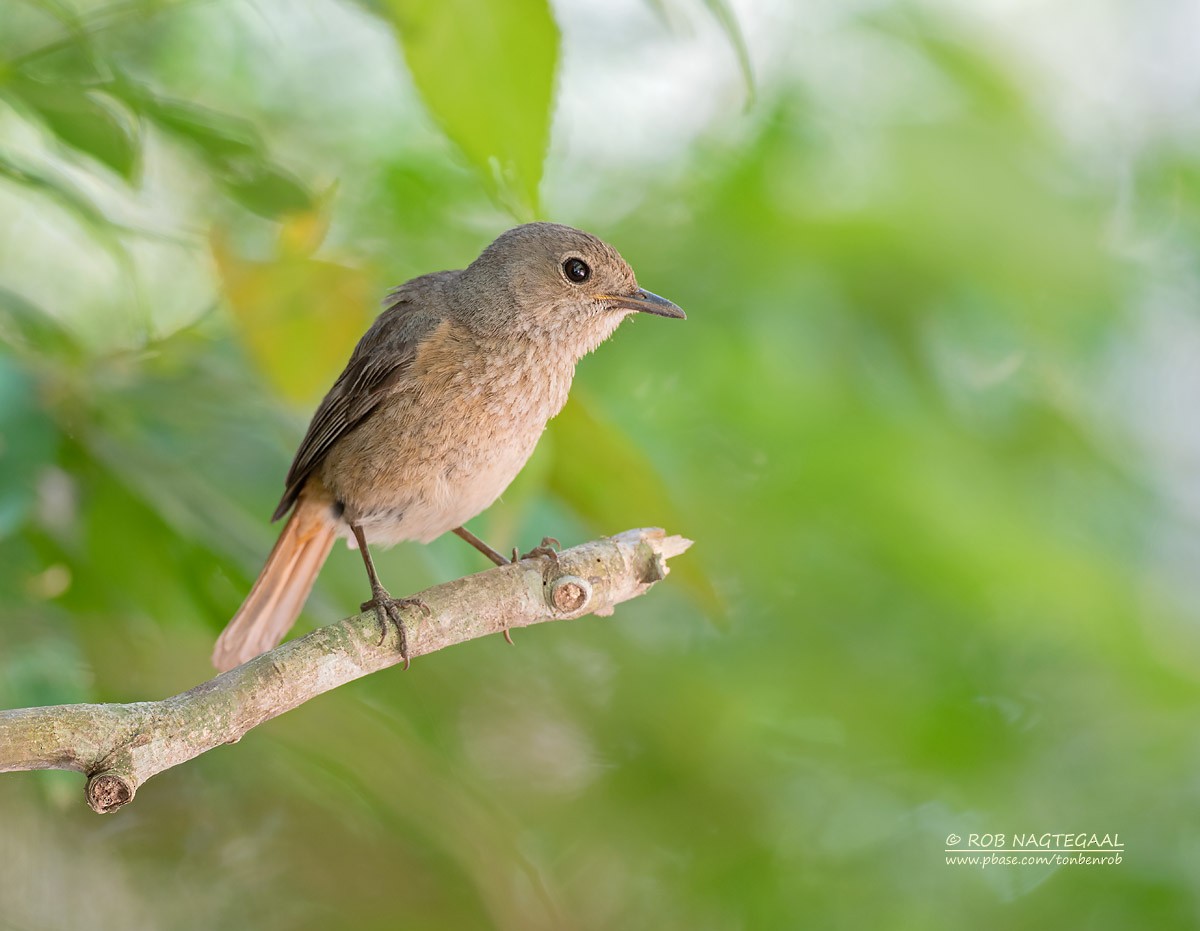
(266, 190)
(29, 332)
(230, 147)
(218, 135)
(84, 120)
(486, 72)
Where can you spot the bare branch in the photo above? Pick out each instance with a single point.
(120, 746)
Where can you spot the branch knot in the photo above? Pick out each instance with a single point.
(109, 791)
(569, 594)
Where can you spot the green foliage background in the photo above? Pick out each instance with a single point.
(930, 421)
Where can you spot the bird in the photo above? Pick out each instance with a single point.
(439, 407)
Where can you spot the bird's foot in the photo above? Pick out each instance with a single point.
(545, 548)
(548, 547)
(387, 608)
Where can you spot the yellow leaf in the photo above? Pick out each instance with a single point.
(299, 317)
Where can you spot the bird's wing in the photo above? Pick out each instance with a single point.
(379, 360)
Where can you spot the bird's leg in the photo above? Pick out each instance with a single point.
(481, 546)
(545, 548)
(386, 607)
(491, 554)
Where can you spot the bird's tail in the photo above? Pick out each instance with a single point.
(282, 587)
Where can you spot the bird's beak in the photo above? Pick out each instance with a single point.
(645, 301)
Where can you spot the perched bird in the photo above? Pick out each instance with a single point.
(440, 406)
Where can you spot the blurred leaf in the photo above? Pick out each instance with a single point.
(609, 481)
(71, 60)
(301, 234)
(300, 317)
(724, 15)
(83, 120)
(218, 135)
(27, 443)
(265, 189)
(486, 72)
(232, 149)
(727, 20)
(29, 331)
(70, 198)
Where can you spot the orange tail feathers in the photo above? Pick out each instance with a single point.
(274, 602)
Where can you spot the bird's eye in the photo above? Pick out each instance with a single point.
(576, 270)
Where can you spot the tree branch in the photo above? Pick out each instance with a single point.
(120, 746)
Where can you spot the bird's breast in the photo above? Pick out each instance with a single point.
(448, 441)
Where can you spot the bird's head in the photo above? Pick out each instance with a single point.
(544, 280)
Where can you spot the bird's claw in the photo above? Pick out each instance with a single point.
(387, 608)
(548, 547)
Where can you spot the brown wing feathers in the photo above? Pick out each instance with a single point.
(359, 389)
